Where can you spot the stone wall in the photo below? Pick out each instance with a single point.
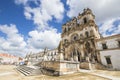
(63, 67)
(100, 66)
(53, 65)
(114, 56)
(111, 51)
(84, 65)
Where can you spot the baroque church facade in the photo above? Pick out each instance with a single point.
(79, 37)
(81, 47)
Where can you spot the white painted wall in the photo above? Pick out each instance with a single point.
(111, 43)
(115, 58)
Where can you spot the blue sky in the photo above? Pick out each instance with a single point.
(31, 25)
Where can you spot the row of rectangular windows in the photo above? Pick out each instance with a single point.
(104, 46)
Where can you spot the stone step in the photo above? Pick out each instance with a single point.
(25, 70)
(47, 72)
(26, 74)
(28, 71)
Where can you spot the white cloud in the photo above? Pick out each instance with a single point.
(40, 19)
(48, 38)
(13, 42)
(108, 28)
(103, 9)
(45, 11)
(54, 8)
(21, 2)
(117, 31)
(28, 15)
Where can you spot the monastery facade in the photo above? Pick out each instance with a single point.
(81, 47)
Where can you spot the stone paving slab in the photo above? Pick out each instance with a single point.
(82, 75)
(101, 73)
(6, 73)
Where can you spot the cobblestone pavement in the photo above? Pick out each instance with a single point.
(112, 75)
(7, 72)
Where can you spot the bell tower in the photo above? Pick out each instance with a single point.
(86, 16)
(87, 19)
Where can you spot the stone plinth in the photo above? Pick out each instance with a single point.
(67, 67)
(62, 67)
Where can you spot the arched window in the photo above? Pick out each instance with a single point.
(85, 20)
(93, 43)
(104, 46)
(74, 37)
(69, 28)
(118, 43)
(55, 53)
(87, 34)
(81, 36)
(87, 45)
(65, 41)
(65, 30)
(79, 54)
(91, 33)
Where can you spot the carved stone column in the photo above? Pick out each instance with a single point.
(76, 58)
(45, 58)
(72, 56)
(76, 55)
(61, 57)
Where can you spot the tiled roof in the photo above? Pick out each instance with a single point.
(7, 55)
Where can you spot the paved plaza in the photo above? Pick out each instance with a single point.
(8, 72)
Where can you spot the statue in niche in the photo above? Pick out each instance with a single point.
(87, 46)
(88, 51)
